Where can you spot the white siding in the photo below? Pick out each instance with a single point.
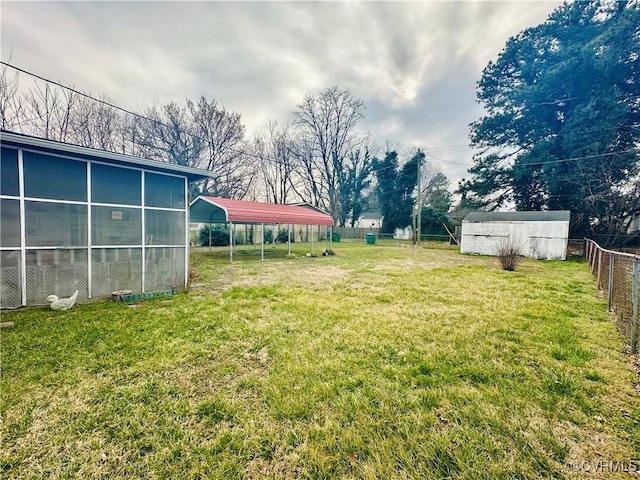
(540, 240)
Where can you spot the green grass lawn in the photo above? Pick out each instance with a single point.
(379, 362)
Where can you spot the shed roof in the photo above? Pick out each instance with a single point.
(309, 205)
(42, 145)
(371, 216)
(528, 216)
(222, 210)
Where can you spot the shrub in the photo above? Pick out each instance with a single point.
(219, 235)
(283, 236)
(268, 236)
(509, 251)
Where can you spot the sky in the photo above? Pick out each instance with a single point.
(414, 64)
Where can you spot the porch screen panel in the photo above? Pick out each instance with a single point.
(164, 227)
(116, 226)
(54, 178)
(9, 172)
(164, 191)
(9, 223)
(116, 269)
(55, 224)
(56, 272)
(10, 279)
(165, 269)
(115, 185)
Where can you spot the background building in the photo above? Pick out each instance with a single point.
(541, 235)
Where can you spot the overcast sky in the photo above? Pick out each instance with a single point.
(415, 64)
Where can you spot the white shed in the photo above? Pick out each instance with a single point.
(541, 235)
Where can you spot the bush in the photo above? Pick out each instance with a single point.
(283, 236)
(509, 252)
(268, 236)
(219, 236)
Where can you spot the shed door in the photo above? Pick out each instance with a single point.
(534, 248)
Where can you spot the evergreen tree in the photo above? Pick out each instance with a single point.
(563, 121)
(396, 189)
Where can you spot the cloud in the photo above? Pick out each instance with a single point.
(414, 64)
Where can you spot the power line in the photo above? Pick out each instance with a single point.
(575, 159)
(274, 161)
(158, 122)
(129, 112)
(448, 161)
(152, 120)
(560, 160)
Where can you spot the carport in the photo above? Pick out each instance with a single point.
(212, 210)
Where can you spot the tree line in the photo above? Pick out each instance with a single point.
(319, 156)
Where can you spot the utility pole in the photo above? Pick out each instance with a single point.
(419, 220)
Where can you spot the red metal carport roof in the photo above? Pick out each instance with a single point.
(223, 210)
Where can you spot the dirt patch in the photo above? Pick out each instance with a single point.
(291, 273)
(432, 263)
(260, 359)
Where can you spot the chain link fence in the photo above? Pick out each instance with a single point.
(617, 274)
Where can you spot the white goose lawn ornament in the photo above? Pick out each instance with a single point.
(62, 303)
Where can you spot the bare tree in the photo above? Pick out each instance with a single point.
(47, 112)
(167, 136)
(95, 124)
(201, 135)
(273, 145)
(327, 124)
(307, 180)
(221, 134)
(355, 178)
(11, 104)
(608, 204)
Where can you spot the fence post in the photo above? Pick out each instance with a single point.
(611, 282)
(599, 266)
(634, 317)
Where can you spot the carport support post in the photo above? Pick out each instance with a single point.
(231, 242)
(262, 235)
(311, 236)
(209, 237)
(289, 239)
(330, 237)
